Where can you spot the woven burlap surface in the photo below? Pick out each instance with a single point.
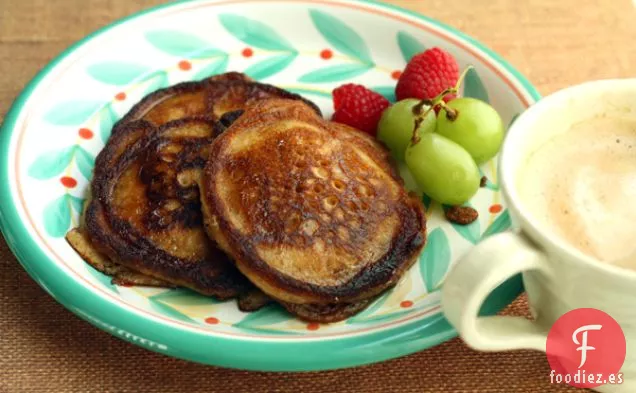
(44, 348)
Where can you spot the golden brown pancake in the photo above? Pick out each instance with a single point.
(327, 313)
(145, 211)
(212, 97)
(142, 208)
(121, 275)
(312, 212)
(206, 100)
(253, 300)
(186, 99)
(324, 313)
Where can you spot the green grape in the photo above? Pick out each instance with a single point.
(397, 123)
(478, 128)
(443, 169)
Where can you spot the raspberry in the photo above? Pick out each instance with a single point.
(427, 75)
(358, 107)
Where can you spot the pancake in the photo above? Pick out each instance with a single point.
(253, 300)
(220, 97)
(183, 100)
(143, 225)
(121, 275)
(145, 212)
(212, 97)
(236, 94)
(327, 313)
(314, 213)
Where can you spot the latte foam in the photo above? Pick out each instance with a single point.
(582, 186)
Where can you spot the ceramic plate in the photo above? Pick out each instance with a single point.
(59, 124)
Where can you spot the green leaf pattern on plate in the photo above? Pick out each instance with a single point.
(270, 331)
(381, 317)
(474, 87)
(388, 302)
(489, 184)
(85, 162)
(261, 36)
(209, 54)
(312, 92)
(341, 36)
(57, 216)
(102, 278)
(117, 73)
(72, 113)
(387, 91)
(270, 66)
(181, 44)
(169, 311)
(435, 260)
(77, 203)
(409, 45)
(51, 163)
(107, 118)
(266, 316)
(347, 41)
(335, 73)
(255, 33)
(217, 66)
(374, 307)
(186, 45)
(158, 80)
(184, 297)
(501, 223)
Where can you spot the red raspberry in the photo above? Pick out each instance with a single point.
(358, 107)
(427, 75)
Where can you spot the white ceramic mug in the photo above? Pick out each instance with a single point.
(557, 277)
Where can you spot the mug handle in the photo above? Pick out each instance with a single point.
(475, 276)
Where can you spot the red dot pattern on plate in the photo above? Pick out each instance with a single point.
(496, 208)
(212, 321)
(247, 52)
(396, 74)
(120, 96)
(406, 304)
(68, 182)
(326, 54)
(85, 133)
(185, 65)
(313, 326)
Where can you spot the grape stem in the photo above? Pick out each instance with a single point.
(416, 138)
(417, 109)
(438, 101)
(451, 114)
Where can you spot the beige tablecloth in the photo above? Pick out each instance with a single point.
(44, 348)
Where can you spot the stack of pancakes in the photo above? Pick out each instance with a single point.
(234, 188)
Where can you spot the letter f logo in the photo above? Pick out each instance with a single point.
(583, 344)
